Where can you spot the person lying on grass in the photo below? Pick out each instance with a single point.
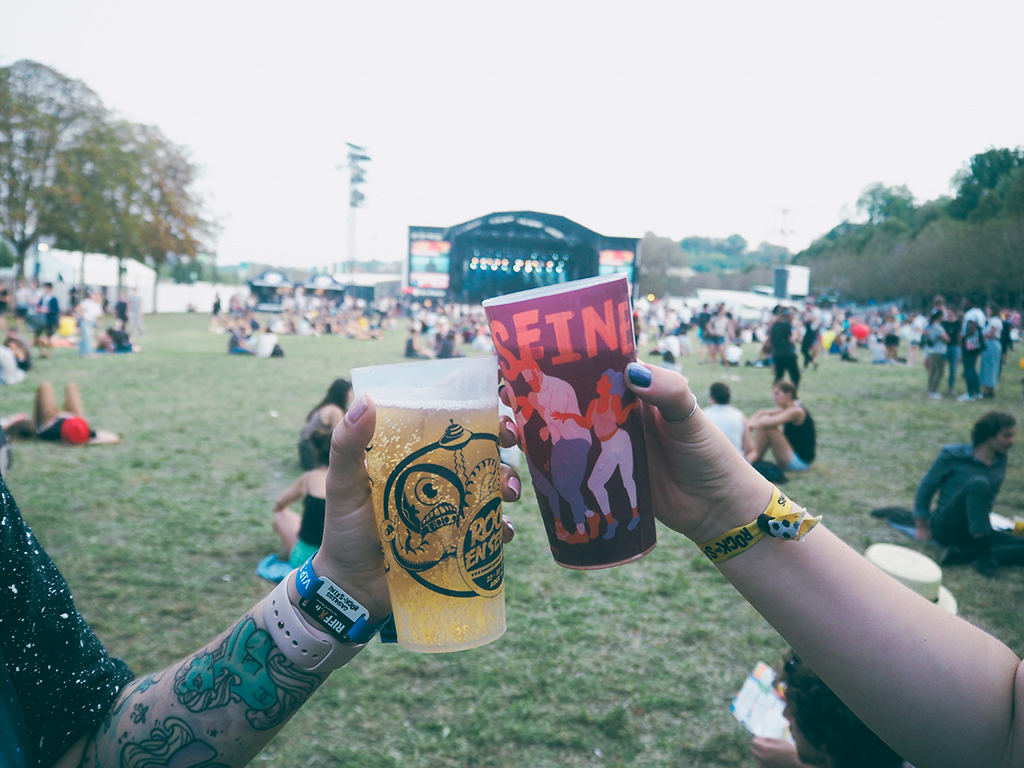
(67, 424)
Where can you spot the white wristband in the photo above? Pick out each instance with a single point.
(304, 646)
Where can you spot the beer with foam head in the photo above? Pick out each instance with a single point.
(435, 471)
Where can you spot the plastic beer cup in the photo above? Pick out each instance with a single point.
(434, 467)
(563, 351)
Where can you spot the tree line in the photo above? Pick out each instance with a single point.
(970, 245)
(678, 268)
(82, 178)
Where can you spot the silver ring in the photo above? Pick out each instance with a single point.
(687, 416)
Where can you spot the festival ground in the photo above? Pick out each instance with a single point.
(634, 666)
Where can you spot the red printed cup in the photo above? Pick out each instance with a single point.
(563, 351)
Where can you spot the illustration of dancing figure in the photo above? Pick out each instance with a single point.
(606, 415)
(570, 444)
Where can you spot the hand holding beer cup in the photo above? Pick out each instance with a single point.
(562, 350)
(438, 485)
(351, 552)
(700, 484)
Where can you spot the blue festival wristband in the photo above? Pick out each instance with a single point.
(337, 610)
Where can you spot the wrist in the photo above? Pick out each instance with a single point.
(367, 588)
(304, 643)
(742, 502)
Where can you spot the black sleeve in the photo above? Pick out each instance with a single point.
(64, 679)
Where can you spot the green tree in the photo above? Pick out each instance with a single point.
(662, 263)
(88, 203)
(978, 185)
(42, 113)
(734, 245)
(8, 256)
(126, 191)
(171, 209)
(882, 204)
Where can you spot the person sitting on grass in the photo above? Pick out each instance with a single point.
(728, 418)
(826, 733)
(844, 346)
(413, 347)
(302, 535)
(787, 429)
(21, 350)
(67, 424)
(238, 341)
(116, 341)
(968, 478)
(325, 415)
(10, 371)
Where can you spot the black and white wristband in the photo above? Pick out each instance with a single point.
(336, 610)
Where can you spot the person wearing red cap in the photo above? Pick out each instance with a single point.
(67, 425)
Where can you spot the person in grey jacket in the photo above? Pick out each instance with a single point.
(967, 478)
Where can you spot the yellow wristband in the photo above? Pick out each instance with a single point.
(781, 520)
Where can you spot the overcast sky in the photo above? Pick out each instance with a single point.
(678, 118)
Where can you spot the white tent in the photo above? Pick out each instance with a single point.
(745, 304)
(66, 269)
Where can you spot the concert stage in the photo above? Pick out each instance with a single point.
(508, 252)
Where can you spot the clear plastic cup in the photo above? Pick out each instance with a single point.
(433, 463)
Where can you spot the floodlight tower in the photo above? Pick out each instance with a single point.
(785, 231)
(356, 177)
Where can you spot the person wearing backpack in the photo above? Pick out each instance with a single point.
(972, 344)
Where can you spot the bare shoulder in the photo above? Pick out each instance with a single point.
(331, 415)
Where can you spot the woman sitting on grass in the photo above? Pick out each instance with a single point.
(116, 341)
(66, 425)
(238, 342)
(21, 350)
(301, 536)
(325, 415)
(787, 429)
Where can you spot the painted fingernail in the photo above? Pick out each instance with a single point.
(356, 410)
(514, 486)
(639, 375)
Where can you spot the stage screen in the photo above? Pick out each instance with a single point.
(429, 261)
(610, 262)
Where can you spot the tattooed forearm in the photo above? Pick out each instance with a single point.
(246, 667)
(170, 743)
(215, 709)
(137, 686)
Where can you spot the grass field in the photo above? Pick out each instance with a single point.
(634, 666)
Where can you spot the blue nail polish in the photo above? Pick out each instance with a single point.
(638, 375)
